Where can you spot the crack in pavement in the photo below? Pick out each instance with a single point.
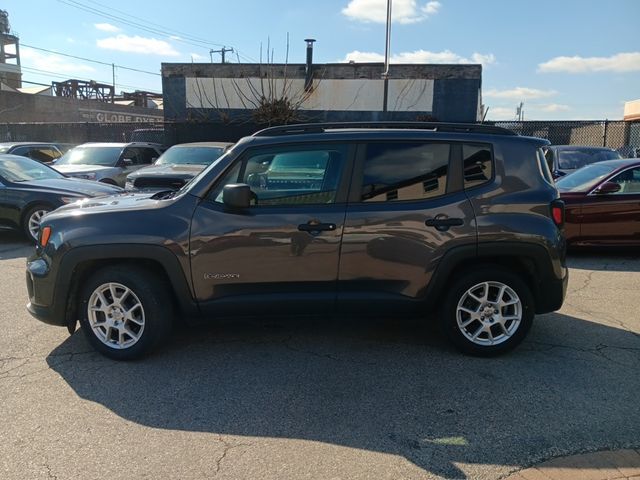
(227, 448)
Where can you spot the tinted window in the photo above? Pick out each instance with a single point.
(585, 178)
(24, 170)
(299, 176)
(579, 157)
(478, 164)
(405, 171)
(190, 155)
(89, 155)
(629, 181)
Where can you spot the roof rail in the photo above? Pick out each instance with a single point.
(296, 129)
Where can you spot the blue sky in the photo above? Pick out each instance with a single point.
(565, 59)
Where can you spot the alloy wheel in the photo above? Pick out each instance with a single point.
(489, 313)
(116, 315)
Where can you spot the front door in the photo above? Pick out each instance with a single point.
(282, 253)
(614, 218)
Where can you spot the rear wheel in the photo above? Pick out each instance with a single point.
(488, 311)
(125, 312)
(31, 221)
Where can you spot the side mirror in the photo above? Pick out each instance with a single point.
(237, 196)
(607, 187)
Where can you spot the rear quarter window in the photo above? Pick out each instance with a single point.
(478, 164)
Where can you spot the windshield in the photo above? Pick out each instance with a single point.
(190, 155)
(24, 170)
(103, 156)
(575, 158)
(585, 178)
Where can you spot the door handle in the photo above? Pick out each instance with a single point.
(313, 226)
(442, 224)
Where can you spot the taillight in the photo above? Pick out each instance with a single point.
(557, 212)
(45, 235)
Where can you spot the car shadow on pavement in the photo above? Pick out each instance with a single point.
(381, 385)
(613, 259)
(14, 245)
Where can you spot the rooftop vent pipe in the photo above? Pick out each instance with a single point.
(308, 71)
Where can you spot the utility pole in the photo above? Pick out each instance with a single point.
(520, 112)
(113, 73)
(222, 51)
(385, 74)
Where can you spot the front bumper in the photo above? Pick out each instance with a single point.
(44, 304)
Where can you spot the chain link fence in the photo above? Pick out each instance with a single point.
(619, 135)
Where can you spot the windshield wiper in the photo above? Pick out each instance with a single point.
(163, 194)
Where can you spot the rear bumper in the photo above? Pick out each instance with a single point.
(551, 293)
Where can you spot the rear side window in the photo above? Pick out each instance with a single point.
(405, 171)
(478, 164)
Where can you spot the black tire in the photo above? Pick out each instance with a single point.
(27, 215)
(449, 319)
(155, 298)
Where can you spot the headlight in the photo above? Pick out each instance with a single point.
(86, 176)
(66, 200)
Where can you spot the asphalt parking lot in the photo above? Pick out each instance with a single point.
(341, 399)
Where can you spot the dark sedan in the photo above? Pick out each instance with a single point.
(565, 159)
(603, 204)
(29, 190)
(40, 151)
(176, 166)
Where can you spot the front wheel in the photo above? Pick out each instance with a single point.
(488, 311)
(125, 312)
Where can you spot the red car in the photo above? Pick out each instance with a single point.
(603, 204)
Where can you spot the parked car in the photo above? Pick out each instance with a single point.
(40, 151)
(365, 218)
(564, 159)
(603, 204)
(107, 162)
(29, 190)
(176, 166)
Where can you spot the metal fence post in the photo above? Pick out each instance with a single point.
(605, 131)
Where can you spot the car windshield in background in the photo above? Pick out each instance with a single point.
(103, 156)
(26, 170)
(571, 159)
(190, 156)
(584, 179)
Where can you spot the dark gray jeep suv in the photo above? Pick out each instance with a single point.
(360, 218)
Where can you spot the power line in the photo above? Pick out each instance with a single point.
(89, 60)
(38, 71)
(162, 30)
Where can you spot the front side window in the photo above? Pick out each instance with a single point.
(295, 176)
(629, 181)
(405, 171)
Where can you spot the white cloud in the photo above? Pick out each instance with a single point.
(106, 27)
(137, 44)
(553, 107)
(621, 62)
(52, 63)
(501, 113)
(421, 56)
(402, 11)
(519, 93)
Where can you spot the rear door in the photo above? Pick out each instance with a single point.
(407, 208)
(282, 253)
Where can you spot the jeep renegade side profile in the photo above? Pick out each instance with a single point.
(357, 218)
